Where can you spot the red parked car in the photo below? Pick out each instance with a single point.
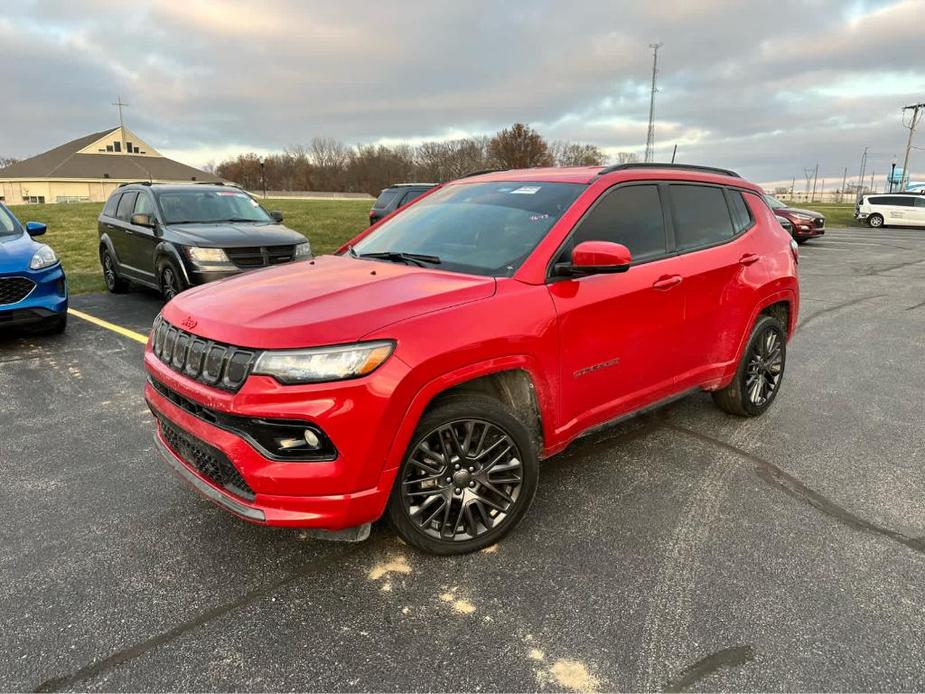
(805, 224)
(424, 370)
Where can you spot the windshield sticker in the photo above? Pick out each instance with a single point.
(526, 190)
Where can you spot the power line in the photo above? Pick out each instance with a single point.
(916, 116)
(650, 137)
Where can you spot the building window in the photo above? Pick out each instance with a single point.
(128, 147)
(72, 198)
(117, 146)
(34, 199)
(108, 148)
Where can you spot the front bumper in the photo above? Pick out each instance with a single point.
(807, 230)
(360, 417)
(47, 300)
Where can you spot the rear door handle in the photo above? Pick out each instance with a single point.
(749, 258)
(667, 282)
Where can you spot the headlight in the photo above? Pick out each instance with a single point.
(303, 250)
(323, 363)
(207, 256)
(43, 257)
(804, 217)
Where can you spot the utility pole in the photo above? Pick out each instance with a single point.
(118, 103)
(815, 178)
(808, 175)
(844, 181)
(674, 154)
(861, 175)
(892, 173)
(872, 174)
(650, 137)
(916, 116)
(793, 183)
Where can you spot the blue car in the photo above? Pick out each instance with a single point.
(33, 288)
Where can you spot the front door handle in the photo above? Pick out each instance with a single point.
(749, 258)
(667, 282)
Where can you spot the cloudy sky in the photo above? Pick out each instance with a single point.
(766, 87)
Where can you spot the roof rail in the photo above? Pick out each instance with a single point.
(414, 185)
(479, 172)
(680, 167)
(135, 183)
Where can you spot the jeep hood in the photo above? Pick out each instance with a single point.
(330, 300)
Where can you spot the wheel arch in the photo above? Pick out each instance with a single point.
(513, 380)
(782, 305)
(107, 245)
(165, 250)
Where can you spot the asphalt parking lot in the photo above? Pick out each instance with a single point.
(685, 549)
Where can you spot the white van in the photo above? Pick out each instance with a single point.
(896, 209)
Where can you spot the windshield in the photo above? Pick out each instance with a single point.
(774, 203)
(8, 225)
(210, 206)
(478, 228)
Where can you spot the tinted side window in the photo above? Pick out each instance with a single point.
(144, 204)
(386, 198)
(411, 196)
(895, 200)
(631, 215)
(741, 216)
(920, 202)
(701, 216)
(111, 204)
(126, 205)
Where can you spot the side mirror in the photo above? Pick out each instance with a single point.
(144, 220)
(277, 216)
(35, 228)
(596, 258)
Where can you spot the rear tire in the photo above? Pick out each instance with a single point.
(468, 477)
(875, 221)
(114, 283)
(760, 372)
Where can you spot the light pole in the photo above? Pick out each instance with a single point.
(263, 177)
(892, 173)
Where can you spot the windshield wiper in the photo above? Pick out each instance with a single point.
(418, 259)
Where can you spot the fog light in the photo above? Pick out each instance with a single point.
(311, 438)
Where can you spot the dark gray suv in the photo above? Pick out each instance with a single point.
(171, 237)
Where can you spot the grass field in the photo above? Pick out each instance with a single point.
(72, 231)
(836, 214)
(327, 223)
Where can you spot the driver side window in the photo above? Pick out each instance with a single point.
(630, 215)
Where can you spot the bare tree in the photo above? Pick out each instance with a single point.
(519, 147)
(627, 158)
(6, 161)
(576, 154)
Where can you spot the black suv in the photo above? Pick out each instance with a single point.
(171, 237)
(396, 196)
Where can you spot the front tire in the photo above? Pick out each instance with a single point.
(169, 279)
(54, 325)
(760, 372)
(875, 221)
(468, 477)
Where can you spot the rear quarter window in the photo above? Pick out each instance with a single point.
(386, 198)
(111, 205)
(741, 216)
(126, 205)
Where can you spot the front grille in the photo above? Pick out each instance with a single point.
(14, 289)
(260, 256)
(819, 222)
(209, 462)
(212, 363)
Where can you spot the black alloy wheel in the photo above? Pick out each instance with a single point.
(760, 372)
(170, 282)
(468, 477)
(114, 283)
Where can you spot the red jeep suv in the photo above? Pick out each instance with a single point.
(424, 370)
